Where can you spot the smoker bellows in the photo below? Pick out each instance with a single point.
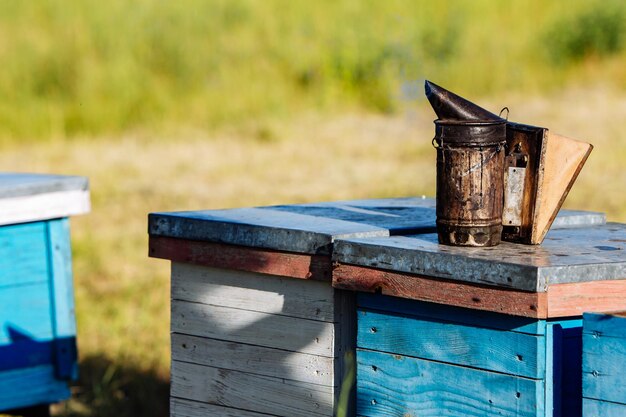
(495, 178)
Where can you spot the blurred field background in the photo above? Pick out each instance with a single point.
(212, 104)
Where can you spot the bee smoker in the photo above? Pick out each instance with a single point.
(470, 168)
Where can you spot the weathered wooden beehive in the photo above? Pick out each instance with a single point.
(257, 328)
(475, 331)
(38, 356)
(604, 365)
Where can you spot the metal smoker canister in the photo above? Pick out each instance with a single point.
(470, 181)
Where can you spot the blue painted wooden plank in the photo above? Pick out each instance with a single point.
(453, 314)
(553, 374)
(62, 293)
(456, 343)
(25, 310)
(23, 254)
(31, 386)
(604, 350)
(572, 372)
(25, 353)
(394, 385)
(597, 408)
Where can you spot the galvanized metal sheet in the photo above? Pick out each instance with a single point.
(567, 255)
(308, 228)
(311, 228)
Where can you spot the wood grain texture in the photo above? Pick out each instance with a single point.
(574, 299)
(31, 386)
(187, 408)
(254, 359)
(293, 265)
(604, 350)
(23, 254)
(394, 385)
(312, 300)
(253, 327)
(493, 350)
(596, 408)
(442, 312)
(37, 207)
(280, 397)
(454, 293)
(25, 312)
(60, 261)
(560, 165)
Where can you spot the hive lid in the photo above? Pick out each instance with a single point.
(567, 255)
(301, 228)
(311, 228)
(26, 197)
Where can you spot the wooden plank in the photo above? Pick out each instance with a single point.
(253, 327)
(561, 162)
(253, 291)
(478, 318)
(454, 293)
(604, 350)
(293, 265)
(394, 385)
(598, 408)
(554, 368)
(31, 386)
(25, 313)
(444, 341)
(187, 408)
(64, 323)
(574, 299)
(571, 387)
(37, 207)
(252, 359)
(23, 254)
(276, 396)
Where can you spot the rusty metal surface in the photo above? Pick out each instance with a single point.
(449, 106)
(567, 255)
(470, 171)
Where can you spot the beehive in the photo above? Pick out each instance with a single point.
(477, 332)
(38, 355)
(257, 327)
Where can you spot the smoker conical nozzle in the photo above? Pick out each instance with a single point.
(449, 106)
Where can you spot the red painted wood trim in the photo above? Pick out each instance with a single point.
(217, 255)
(454, 293)
(574, 299)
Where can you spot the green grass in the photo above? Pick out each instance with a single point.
(78, 67)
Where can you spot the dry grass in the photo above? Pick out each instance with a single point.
(123, 296)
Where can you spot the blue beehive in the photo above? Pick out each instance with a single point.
(479, 332)
(38, 356)
(604, 368)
